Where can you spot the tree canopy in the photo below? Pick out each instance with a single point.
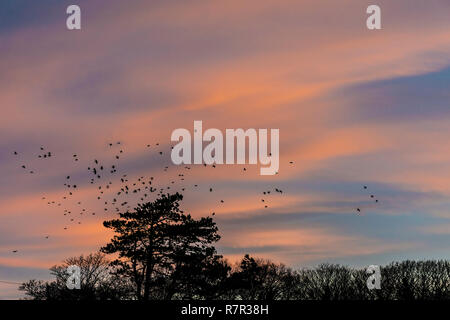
(157, 243)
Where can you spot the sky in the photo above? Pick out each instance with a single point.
(354, 107)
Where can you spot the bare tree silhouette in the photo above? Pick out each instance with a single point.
(98, 281)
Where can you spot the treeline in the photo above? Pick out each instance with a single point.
(252, 279)
(164, 254)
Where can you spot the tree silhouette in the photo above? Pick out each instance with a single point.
(157, 243)
(257, 279)
(98, 281)
(163, 253)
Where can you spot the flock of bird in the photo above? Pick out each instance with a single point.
(118, 192)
